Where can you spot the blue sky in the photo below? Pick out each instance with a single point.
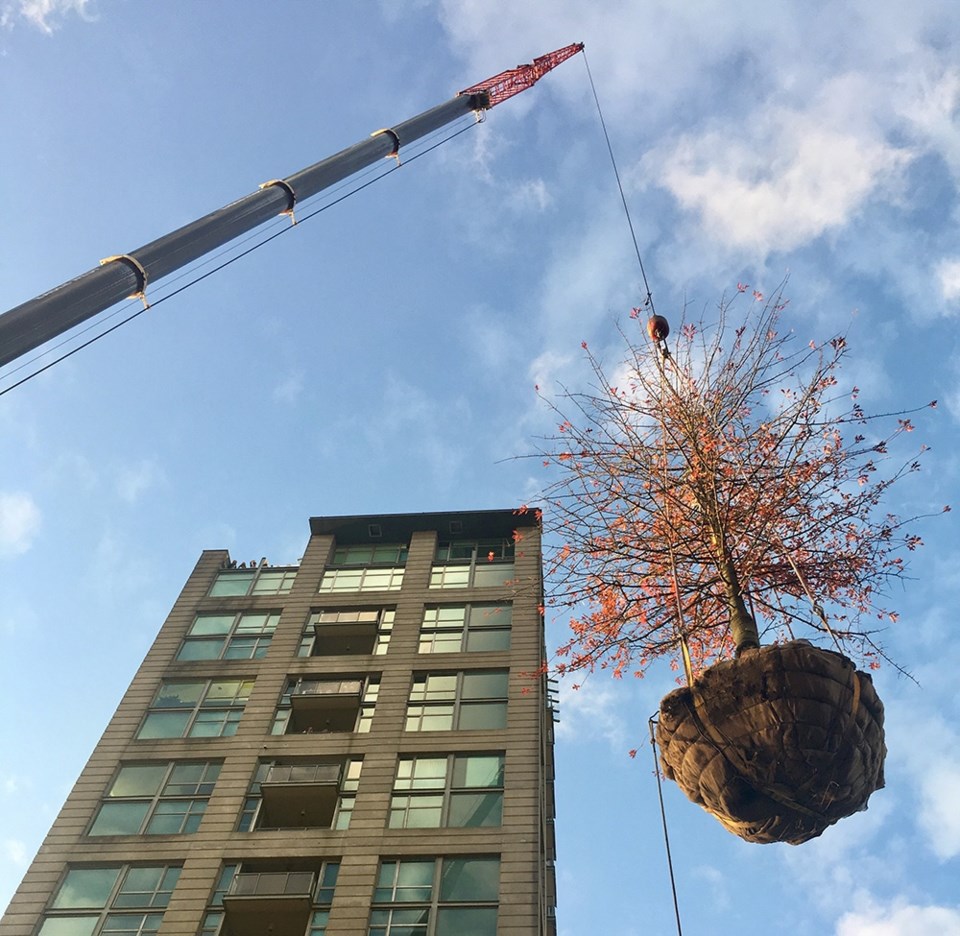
(382, 357)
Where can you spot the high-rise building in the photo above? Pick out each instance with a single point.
(358, 745)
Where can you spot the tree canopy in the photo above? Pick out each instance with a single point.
(719, 485)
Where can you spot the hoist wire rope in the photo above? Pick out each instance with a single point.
(648, 301)
(649, 306)
(230, 248)
(283, 229)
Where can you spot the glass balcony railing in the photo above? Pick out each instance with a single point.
(304, 773)
(273, 884)
(328, 687)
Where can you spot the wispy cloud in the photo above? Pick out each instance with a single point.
(19, 523)
(531, 195)
(45, 15)
(928, 748)
(592, 711)
(134, 480)
(899, 919)
(423, 424)
(15, 852)
(290, 388)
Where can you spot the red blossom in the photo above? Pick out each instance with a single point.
(695, 493)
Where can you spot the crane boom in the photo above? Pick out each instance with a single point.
(39, 320)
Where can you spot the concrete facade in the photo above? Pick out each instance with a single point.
(488, 834)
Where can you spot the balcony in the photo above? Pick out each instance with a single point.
(346, 636)
(299, 796)
(277, 903)
(322, 705)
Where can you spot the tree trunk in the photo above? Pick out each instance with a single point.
(742, 625)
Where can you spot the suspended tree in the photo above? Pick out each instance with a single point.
(719, 489)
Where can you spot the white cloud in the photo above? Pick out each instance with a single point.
(927, 746)
(715, 884)
(547, 369)
(136, 479)
(592, 711)
(531, 195)
(900, 919)
(927, 101)
(783, 180)
(948, 275)
(44, 14)
(19, 523)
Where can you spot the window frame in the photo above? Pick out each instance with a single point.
(423, 917)
(452, 559)
(469, 627)
(286, 575)
(231, 636)
(192, 713)
(346, 580)
(112, 907)
(446, 789)
(431, 703)
(152, 802)
(352, 555)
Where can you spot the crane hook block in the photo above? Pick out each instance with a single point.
(658, 328)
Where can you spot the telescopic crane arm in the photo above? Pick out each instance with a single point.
(128, 275)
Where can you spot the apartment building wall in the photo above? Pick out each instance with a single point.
(522, 842)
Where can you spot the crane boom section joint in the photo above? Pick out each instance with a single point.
(291, 196)
(139, 271)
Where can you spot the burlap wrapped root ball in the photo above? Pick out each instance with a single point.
(778, 744)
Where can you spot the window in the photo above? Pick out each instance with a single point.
(336, 631)
(115, 899)
(196, 708)
(318, 704)
(436, 897)
(458, 790)
(388, 578)
(390, 554)
(229, 636)
(326, 879)
(475, 699)
(466, 627)
(156, 799)
(365, 568)
(262, 581)
(300, 800)
(473, 563)
(214, 916)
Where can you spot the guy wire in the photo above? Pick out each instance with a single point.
(663, 819)
(261, 243)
